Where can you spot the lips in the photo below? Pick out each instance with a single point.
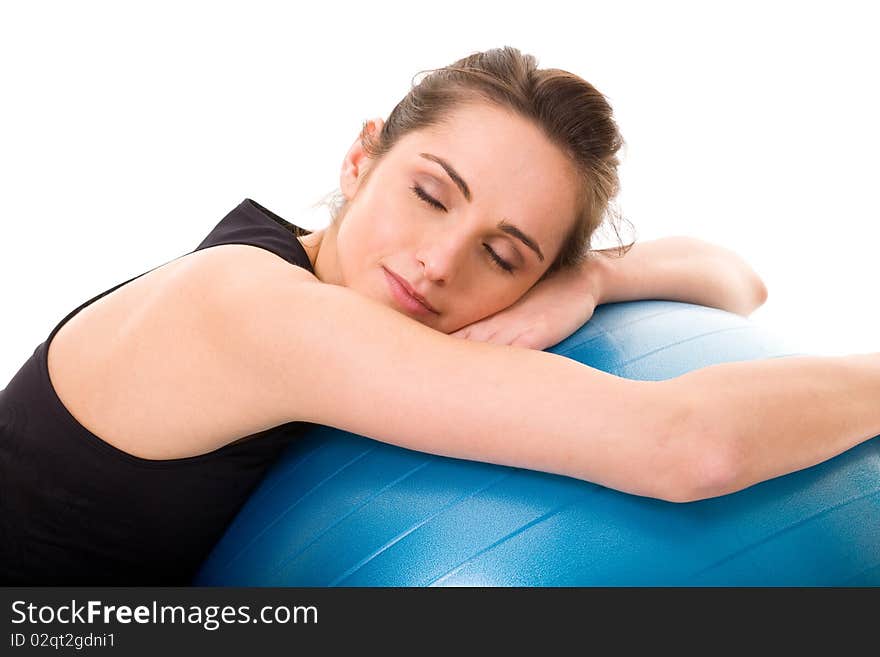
(403, 282)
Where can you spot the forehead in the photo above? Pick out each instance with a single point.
(513, 170)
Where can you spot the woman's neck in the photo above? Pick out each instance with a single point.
(320, 246)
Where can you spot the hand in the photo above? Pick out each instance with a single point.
(544, 316)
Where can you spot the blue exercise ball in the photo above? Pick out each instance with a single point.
(338, 509)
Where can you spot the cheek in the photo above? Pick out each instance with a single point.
(358, 237)
(384, 231)
(376, 230)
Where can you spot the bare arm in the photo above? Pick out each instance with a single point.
(678, 269)
(325, 354)
(769, 417)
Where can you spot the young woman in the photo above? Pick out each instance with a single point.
(136, 431)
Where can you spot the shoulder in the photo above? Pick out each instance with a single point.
(220, 290)
(229, 262)
(224, 277)
(110, 364)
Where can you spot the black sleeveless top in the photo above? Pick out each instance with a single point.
(75, 510)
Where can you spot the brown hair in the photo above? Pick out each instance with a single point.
(569, 110)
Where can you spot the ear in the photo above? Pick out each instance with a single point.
(357, 162)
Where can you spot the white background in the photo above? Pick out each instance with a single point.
(128, 131)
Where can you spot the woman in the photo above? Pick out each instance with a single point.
(135, 432)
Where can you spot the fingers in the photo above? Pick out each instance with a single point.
(527, 341)
(532, 335)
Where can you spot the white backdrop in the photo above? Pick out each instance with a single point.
(127, 131)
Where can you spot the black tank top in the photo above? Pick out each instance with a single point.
(75, 510)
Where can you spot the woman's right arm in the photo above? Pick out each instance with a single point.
(325, 354)
(779, 415)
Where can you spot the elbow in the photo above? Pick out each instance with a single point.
(760, 292)
(753, 295)
(705, 460)
(757, 290)
(713, 477)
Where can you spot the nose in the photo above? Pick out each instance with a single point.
(441, 256)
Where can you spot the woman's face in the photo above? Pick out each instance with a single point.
(470, 237)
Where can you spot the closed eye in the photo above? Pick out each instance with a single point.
(496, 259)
(418, 191)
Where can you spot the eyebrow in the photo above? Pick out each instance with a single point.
(503, 225)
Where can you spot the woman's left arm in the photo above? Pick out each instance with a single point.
(671, 268)
(679, 269)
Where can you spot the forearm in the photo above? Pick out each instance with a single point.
(678, 269)
(766, 418)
